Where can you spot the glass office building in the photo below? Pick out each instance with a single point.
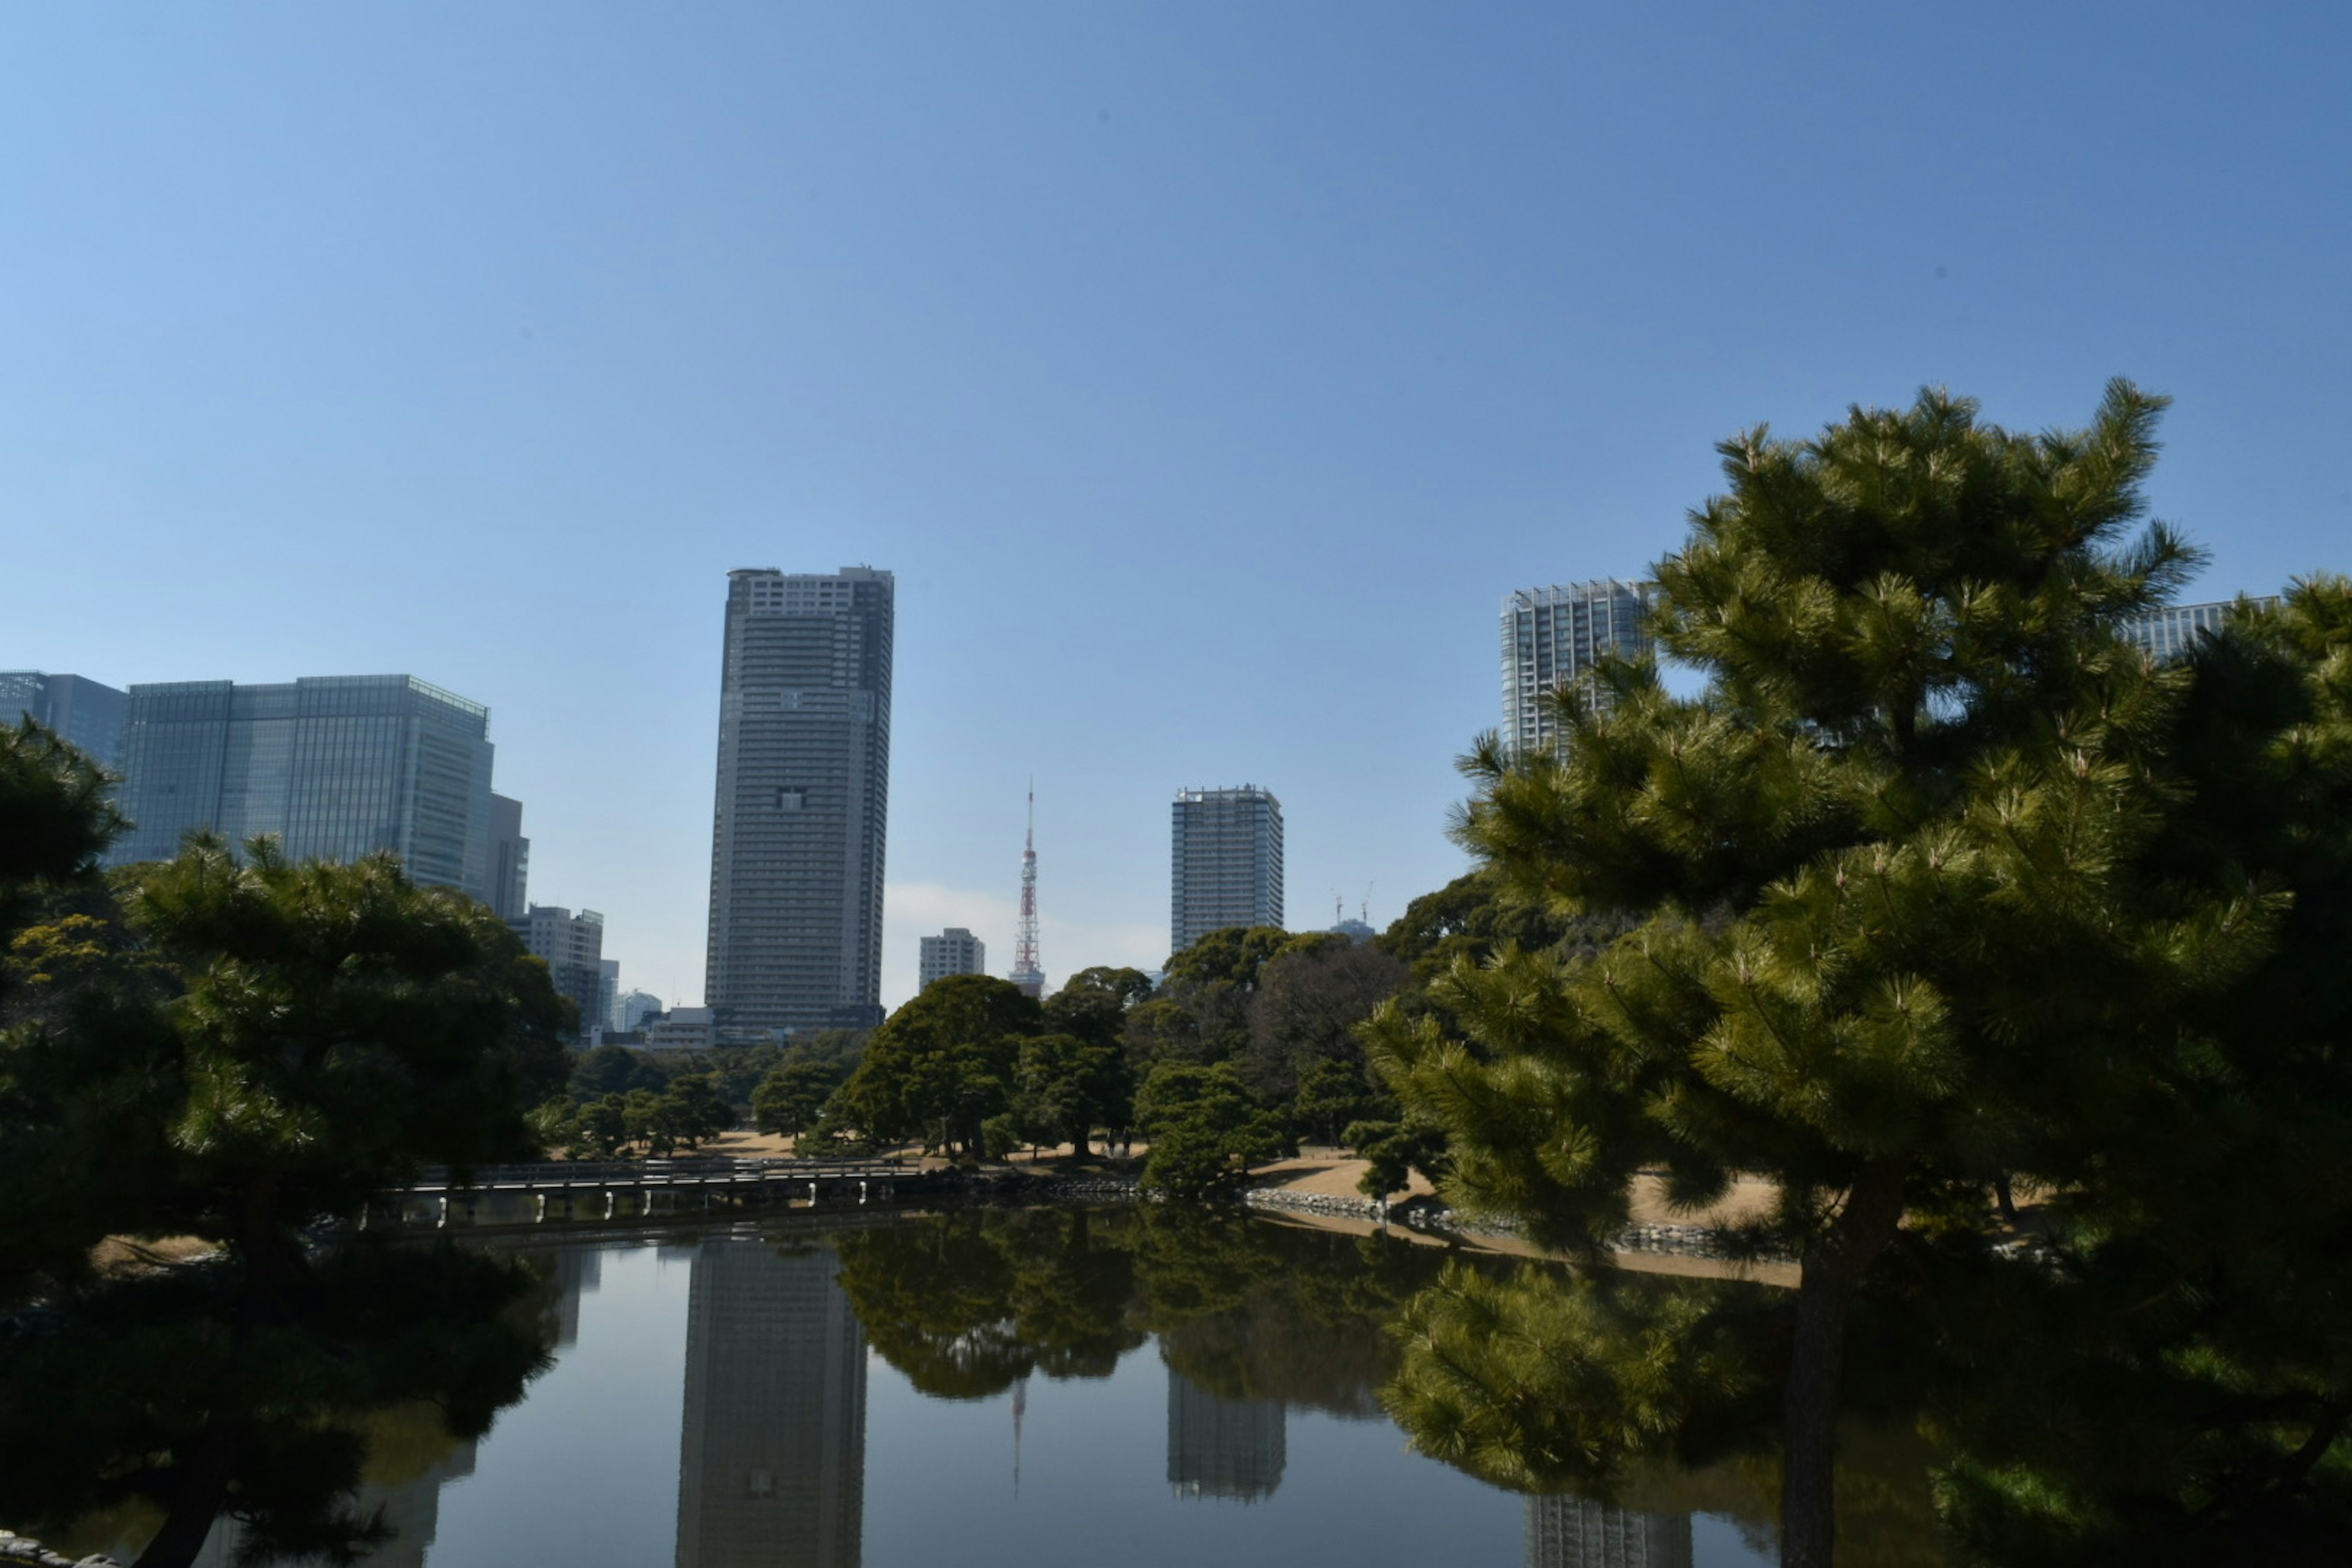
(2171, 632)
(80, 710)
(336, 766)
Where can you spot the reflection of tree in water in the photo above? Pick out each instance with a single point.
(966, 1303)
(149, 1410)
(1646, 1394)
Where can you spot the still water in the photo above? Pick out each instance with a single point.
(1033, 1387)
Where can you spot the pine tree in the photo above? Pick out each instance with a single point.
(1890, 934)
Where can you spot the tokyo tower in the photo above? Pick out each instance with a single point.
(1026, 975)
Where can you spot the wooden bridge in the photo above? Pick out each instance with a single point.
(614, 1189)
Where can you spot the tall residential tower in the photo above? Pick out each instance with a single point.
(1224, 862)
(1553, 636)
(803, 801)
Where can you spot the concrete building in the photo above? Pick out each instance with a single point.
(1224, 862)
(954, 951)
(573, 946)
(682, 1029)
(1220, 1447)
(1578, 1533)
(1553, 636)
(509, 859)
(802, 805)
(608, 993)
(78, 709)
(771, 1463)
(2169, 633)
(336, 766)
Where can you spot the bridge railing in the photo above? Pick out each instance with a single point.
(636, 1172)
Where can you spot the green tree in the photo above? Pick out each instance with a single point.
(942, 1063)
(1204, 1126)
(694, 1109)
(1066, 1086)
(792, 1098)
(1881, 875)
(1304, 1011)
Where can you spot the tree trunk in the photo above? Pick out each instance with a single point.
(1834, 1267)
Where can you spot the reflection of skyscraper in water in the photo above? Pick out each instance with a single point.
(1222, 1447)
(1578, 1533)
(772, 1471)
(578, 1271)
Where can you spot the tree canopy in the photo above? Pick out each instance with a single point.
(1902, 913)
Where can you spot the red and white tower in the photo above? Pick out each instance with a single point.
(1026, 975)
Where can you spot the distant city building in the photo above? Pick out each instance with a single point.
(74, 707)
(682, 1029)
(608, 993)
(574, 947)
(1356, 931)
(1553, 636)
(509, 859)
(1222, 1448)
(803, 801)
(2170, 633)
(1225, 862)
(337, 766)
(954, 951)
(636, 1006)
(772, 1461)
(1578, 1533)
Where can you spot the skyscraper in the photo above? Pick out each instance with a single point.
(954, 951)
(1553, 636)
(337, 766)
(772, 1463)
(2169, 633)
(574, 947)
(1224, 862)
(78, 708)
(803, 801)
(509, 859)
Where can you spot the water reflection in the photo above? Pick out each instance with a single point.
(1583, 1532)
(772, 1468)
(1220, 1447)
(852, 1390)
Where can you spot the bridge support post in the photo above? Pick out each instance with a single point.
(542, 1208)
(811, 1194)
(444, 1213)
(610, 1198)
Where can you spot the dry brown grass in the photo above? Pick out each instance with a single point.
(121, 1255)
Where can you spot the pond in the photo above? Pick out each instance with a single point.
(983, 1387)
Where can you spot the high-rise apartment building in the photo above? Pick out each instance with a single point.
(76, 707)
(509, 859)
(2169, 633)
(337, 766)
(1553, 636)
(954, 951)
(574, 947)
(803, 801)
(1224, 862)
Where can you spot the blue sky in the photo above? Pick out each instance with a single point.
(1206, 372)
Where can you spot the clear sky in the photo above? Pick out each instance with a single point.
(1205, 372)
